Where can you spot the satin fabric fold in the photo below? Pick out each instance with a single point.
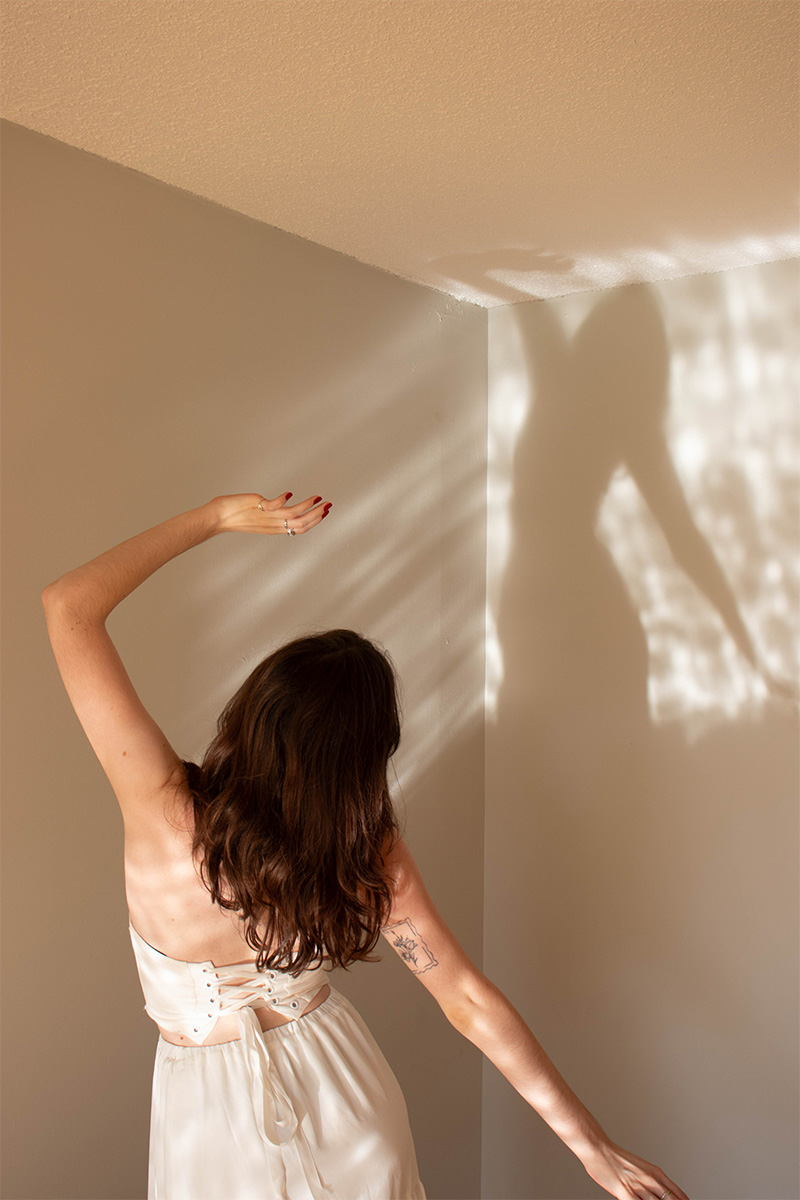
(276, 1118)
(306, 1110)
(330, 1121)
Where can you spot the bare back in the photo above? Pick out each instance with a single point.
(171, 908)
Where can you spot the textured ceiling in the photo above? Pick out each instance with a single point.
(495, 149)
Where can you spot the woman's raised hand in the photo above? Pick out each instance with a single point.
(253, 513)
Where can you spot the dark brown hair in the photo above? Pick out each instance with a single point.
(291, 803)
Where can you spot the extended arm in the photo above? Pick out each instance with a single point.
(133, 751)
(493, 1025)
(98, 586)
(482, 1013)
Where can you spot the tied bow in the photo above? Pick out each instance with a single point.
(276, 1119)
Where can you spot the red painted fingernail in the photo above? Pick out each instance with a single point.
(288, 494)
(317, 499)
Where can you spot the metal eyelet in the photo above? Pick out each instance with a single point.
(197, 1030)
(294, 1004)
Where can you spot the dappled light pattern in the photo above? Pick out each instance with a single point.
(507, 274)
(671, 440)
(509, 407)
(640, 835)
(404, 532)
(733, 433)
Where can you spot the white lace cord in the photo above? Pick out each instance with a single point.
(275, 1116)
(241, 987)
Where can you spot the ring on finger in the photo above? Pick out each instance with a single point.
(261, 504)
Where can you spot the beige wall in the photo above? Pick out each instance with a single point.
(161, 350)
(641, 790)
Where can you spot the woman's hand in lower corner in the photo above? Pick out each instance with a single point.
(251, 512)
(626, 1176)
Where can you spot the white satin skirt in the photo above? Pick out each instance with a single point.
(308, 1111)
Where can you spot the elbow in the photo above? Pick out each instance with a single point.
(459, 1014)
(469, 1020)
(59, 599)
(52, 595)
(467, 1010)
(66, 600)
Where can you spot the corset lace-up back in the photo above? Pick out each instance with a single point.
(188, 998)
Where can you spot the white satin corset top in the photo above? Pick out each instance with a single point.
(189, 997)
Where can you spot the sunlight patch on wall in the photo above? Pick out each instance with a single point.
(734, 436)
(396, 444)
(508, 408)
(500, 275)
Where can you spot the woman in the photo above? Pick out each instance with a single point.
(283, 842)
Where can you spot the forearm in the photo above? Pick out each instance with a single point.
(98, 586)
(493, 1025)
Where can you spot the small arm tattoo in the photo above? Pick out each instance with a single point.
(410, 946)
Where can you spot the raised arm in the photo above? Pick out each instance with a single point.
(479, 1010)
(134, 753)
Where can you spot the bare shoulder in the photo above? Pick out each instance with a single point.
(397, 862)
(169, 905)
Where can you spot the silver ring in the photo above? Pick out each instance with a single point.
(291, 532)
(260, 505)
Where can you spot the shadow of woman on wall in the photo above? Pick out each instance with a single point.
(595, 845)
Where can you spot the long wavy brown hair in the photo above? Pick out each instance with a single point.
(292, 812)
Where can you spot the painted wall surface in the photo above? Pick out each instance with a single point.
(161, 350)
(641, 780)
(641, 775)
